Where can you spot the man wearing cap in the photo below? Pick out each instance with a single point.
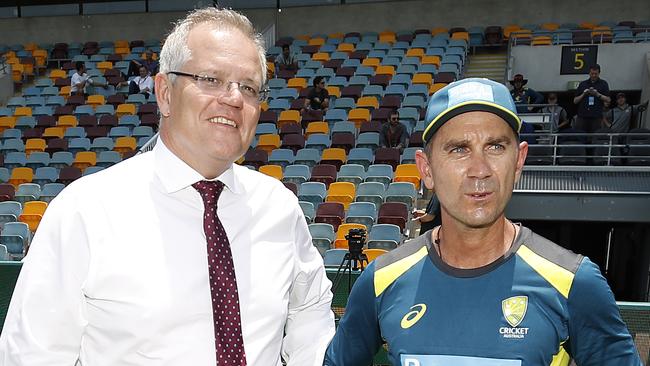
(523, 95)
(479, 289)
(591, 95)
(619, 119)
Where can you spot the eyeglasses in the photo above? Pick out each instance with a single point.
(214, 85)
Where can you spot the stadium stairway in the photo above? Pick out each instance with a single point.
(490, 65)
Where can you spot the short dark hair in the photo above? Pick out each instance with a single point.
(317, 80)
(285, 47)
(394, 112)
(79, 65)
(595, 67)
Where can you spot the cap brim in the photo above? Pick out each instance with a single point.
(472, 106)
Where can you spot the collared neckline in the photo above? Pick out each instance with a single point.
(176, 175)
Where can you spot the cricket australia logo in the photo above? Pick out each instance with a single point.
(514, 310)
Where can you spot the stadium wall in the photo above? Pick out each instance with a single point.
(294, 21)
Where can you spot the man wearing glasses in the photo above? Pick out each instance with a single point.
(178, 256)
(393, 134)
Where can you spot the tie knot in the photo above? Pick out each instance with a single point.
(209, 191)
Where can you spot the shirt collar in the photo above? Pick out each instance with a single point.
(176, 175)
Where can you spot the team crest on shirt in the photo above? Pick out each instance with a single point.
(514, 310)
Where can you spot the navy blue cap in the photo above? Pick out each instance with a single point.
(468, 95)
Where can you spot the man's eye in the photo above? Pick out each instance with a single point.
(497, 147)
(248, 89)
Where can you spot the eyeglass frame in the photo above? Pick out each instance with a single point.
(262, 96)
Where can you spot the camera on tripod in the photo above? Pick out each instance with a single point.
(356, 240)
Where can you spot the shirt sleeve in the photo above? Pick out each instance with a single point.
(310, 322)
(358, 337)
(597, 334)
(537, 97)
(46, 316)
(581, 88)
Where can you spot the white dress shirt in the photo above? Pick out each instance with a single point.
(76, 79)
(117, 273)
(144, 83)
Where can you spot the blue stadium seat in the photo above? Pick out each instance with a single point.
(142, 131)
(12, 144)
(314, 192)
(335, 115)
(9, 212)
(42, 111)
(51, 190)
(11, 133)
(307, 156)
(373, 91)
(343, 126)
(61, 159)
(25, 122)
(100, 144)
(16, 236)
(78, 144)
(104, 110)
(371, 192)
(15, 159)
(282, 157)
(308, 211)
(384, 236)
(362, 156)
(344, 104)
(360, 80)
(297, 174)
(55, 100)
(108, 158)
(38, 159)
(402, 192)
(318, 141)
(74, 132)
(45, 174)
(369, 140)
(354, 173)
(334, 257)
(27, 192)
(362, 213)
(382, 173)
(322, 236)
(408, 156)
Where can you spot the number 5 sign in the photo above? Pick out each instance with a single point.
(578, 59)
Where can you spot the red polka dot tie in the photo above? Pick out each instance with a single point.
(229, 342)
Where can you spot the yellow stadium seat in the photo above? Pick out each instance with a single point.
(438, 30)
(507, 30)
(435, 87)
(297, 83)
(32, 214)
(17, 71)
(550, 26)
(40, 56)
(104, 65)
(371, 62)
(358, 116)
(84, 159)
(121, 43)
(343, 230)
(264, 106)
(124, 144)
(345, 47)
(333, 91)
(385, 70)
(57, 74)
(460, 35)
(321, 56)
(407, 173)
(270, 70)
(21, 175)
(604, 32)
(336, 35)
(28, 69)
(288, 116)
(541, 41)
(317, 127)
(13, 60)
(124, 109)
(31, 46)
(318, 41)
(415, 52)
(53, 132)
(95, 100)
(304, 37)
(65, 91)
(372, 254)
(7, 122)
(122, 50)
(425, 79)
(587, 25)
(368, 102)
(66, 121)
(269, 142)
(32, 145)
(431, 60)
(274, 171)
(335, 156)
(387, 37)
(23, 112)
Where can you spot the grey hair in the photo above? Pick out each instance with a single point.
(175, 53)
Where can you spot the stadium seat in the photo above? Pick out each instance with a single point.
(362, 213)
(21, 175)
(408, 173)
(51, 190)
(396, 213)
(274, 171)
(372, 254)
(343, 192)
(32, 214)
(324, 173)
(322, 236)
(333, 258)
(269, 142)
(313, 192)
(16, 236)
(402, 192)
(342, 231)
(9, 212)
(334, 156)
(353, 173)
(331, 213)
(384, 236)
(84, 159)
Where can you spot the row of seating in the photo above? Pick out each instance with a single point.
(35, 96)
(29, 192)
(50, 174)
(381, 236)
(334, 257)
(121, 144)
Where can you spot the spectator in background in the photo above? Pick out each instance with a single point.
(285, 60)
(619, 118)
(141, 84)
(429, 218)
(590, 97)
(148, 61)
(393, 134)
(559, 118)
(318, 97)
(523, 95)
(80, 80)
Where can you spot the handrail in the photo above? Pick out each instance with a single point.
(602, 35)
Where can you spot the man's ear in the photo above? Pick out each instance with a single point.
(163, 93)
(422, 162)
(521, 159)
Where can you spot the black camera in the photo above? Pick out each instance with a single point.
(356, 240)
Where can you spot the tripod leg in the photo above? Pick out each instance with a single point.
(345, 263)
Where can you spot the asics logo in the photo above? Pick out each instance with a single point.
(412, 317)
